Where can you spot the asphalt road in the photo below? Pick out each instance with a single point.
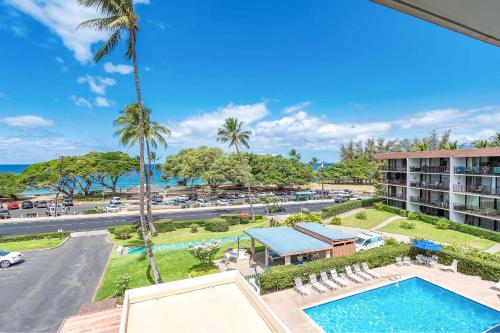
(51, 284)
(102, 222)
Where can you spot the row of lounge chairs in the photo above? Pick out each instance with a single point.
(359, 275)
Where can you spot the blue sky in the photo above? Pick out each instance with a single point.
(301, 74)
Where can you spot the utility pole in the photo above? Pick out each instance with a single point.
(58, 185)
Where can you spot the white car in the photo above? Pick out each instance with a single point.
(368, 240)
(183, 197)
(115, 201)
(112, 208)
(202, 203)
(223, 202)
(9, 258)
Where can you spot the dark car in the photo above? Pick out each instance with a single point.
(41, 204)
(276, 209)
(27, 204)
(193, 196)
(67, 202)
(4, 214)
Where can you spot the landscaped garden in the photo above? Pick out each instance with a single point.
(32, 242)
(366, 219)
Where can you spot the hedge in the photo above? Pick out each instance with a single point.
(330, 211)
(369, 202)
(187, 223)
(165, 226)
(217, 225)
(233, 219)
(281, 277)
(34, 237)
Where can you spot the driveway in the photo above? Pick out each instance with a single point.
(51, 284)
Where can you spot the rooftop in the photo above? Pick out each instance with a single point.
(287, 241)
(480, 152)
(324, 231)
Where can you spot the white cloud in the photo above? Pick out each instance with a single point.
(80, 101)
(62, 17)
(27, 121)
(97, 84)
(103, 102)
(431, 119)
(297, 107)
(122, 69)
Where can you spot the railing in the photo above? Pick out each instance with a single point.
(434, 203)
(430, 169)
(435, 186)
(393, 168)
(475, 189)
(394, 181)
(483, 170)
(488, 212)
(395, 196)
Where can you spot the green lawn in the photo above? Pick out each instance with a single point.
(173, 264)
(35, 244)
(375, 217)
(429, 231)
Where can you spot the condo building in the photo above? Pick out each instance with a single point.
(460, 185)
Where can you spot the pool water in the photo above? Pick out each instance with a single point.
(412, 305)
(182, 245)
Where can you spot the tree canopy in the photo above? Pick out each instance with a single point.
(10, 185)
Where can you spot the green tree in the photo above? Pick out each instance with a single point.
(120, 18)
(495, 140)
(112, 166)
(480, 143)
(10, 185)
(293, 153)
(232, 132)
(280, 171)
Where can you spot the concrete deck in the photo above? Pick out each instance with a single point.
(288, 304)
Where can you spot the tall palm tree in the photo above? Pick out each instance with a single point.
(294, 154)
(119, 18)
(154, 133)
(495, 140)
(480, 143)
(232, 132)
(454, 145)
(421, 146)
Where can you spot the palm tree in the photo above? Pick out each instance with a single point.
(314, 161)
(495, 140)
(480, 143)
(421, 146)
(154, 133)
(294, 154)
(119, 17)
(232, 132)
(454, 145)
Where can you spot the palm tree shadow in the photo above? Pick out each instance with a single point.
(149, 275)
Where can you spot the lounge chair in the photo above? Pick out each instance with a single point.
(433, 261)
(399, 261)
(451, 268)
(336, 278)
(406, 261)
(367, 269)
(496, 286)
(359, 272)
(352, 276)
(323, 278)
(420, 260)
(316, 285)
(300, 288)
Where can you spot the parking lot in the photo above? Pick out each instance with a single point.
(51, 284)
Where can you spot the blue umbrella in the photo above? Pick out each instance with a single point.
(427, 245)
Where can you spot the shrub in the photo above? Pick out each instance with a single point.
(361, 216)
(407, 224)
(95, 210)
(443, 224)
(281, 277)
(391, 241)
(165, 226)
(292, 219)
(378, 206)
(194, 228)
(205, 252)
(216, 225)
(403, 212)
(47, 235)
(336, 220)
(122, 284)
(120, 232)
(390, 209)
(233, 219)
(412, 216)
(330, 211)
(369, 202)
(187, 223)
(245, 218)
(123, 234)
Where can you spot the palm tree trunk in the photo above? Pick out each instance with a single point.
(148, 191)
(147, 243)
(248, 185)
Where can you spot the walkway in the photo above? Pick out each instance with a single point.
(386, 222)
(494, 249)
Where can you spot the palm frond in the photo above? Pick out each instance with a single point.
(109, 46)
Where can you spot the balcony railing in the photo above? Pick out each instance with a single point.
(486, 212)
(475, 189)
(483, 170)
(430, 169)
(435, 186)
(394, 181)
(434, 203)
(391, 168)
(393, 195)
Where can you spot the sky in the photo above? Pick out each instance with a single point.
(309, 75)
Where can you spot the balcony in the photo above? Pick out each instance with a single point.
(487, 170)
(474, 189)
(431, 203)
(436, 186)
(395, 196)
(430, 169)
(483, 212)
(390, 168)
(389, 181)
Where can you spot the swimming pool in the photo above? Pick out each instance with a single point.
(182, 245)
(412, 305)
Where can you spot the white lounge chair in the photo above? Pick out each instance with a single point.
(420, 260)
(399, 261)
(359, 272)
(336, 278)
(406, 261)
(367, 269)
(496, 286)
(323, 278)
(300, 288)
(316, 285)
(451, 268)
(352, 276)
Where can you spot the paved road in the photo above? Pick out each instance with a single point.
(51, 284)
(102, 222)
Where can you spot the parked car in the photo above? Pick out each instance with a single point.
(183, 197)
(193, 196)
(4, 214)
(9, 258)
(67, 202)
(27, 204)
(112, 208)
(115, 201)
(368, 240)
(203, 203)
(275, 209)
(51, 211)
(157, 198)
(41, 204)
(180, 201)
(347, 190)
(170, 202)
(12, 205)
(223, 202)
